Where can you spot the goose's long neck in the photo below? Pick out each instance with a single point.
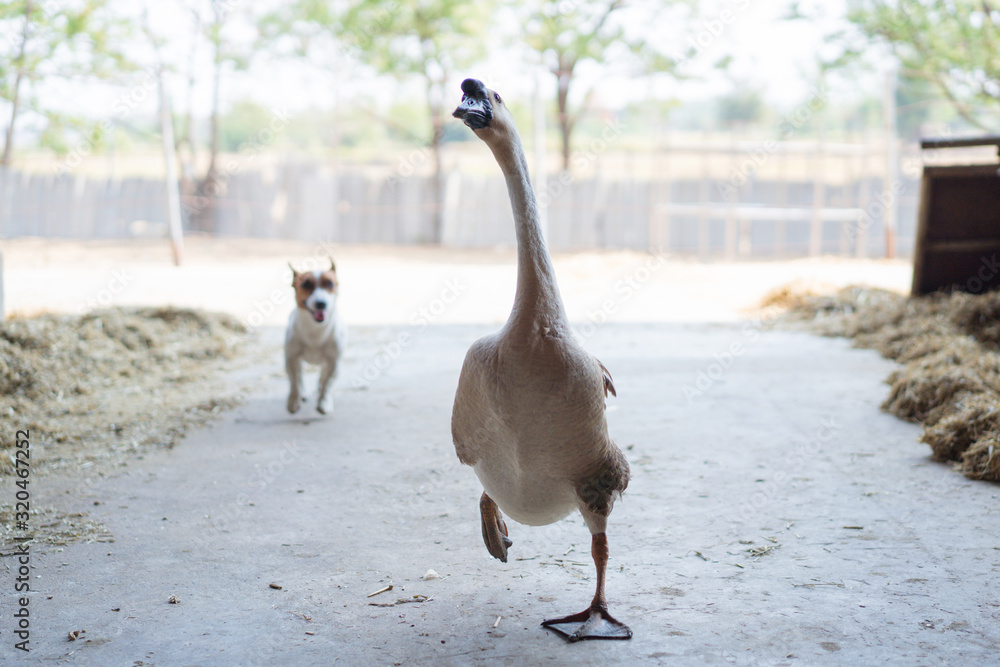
(536, 300)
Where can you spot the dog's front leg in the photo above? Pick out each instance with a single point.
(293, 366)
(324, 401)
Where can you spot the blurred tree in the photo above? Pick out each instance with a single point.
(53, 40)
(742, 106)
(566, 33)
(242, 124)
(211, 20)
(920, 108)
(955, 44)
(428, 39)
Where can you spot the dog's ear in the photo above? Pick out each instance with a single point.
(295, 274)
(333, 267)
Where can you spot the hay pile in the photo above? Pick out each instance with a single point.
(109, 382)
(949, 346)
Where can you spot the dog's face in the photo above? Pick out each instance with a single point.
(316, 292)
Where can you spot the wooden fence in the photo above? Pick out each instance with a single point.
(707, 213)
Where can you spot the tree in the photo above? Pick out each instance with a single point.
(427, 39)
(211, 20)
(53, 41)
(741, 106)
(566, 34)
(955, 44)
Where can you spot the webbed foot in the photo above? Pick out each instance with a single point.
(494, 528)
(594, 623)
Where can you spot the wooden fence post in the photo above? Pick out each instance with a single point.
(819, 194)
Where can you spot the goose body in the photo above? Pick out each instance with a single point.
(529, 413)
(527, 421)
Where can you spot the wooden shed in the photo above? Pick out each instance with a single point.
(958, 225)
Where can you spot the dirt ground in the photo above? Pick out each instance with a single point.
(388, 285)
(776, 516)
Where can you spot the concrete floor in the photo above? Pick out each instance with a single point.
(879, 555)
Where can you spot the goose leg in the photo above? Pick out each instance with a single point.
(494, 528)
(595, 622)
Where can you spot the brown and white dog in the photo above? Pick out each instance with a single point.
(315, 334)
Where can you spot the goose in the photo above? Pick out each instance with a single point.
(529, 412)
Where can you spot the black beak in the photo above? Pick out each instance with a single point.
(475, 110)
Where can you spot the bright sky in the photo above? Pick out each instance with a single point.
(777, 57)
(774, 55)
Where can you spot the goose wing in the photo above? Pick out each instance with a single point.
(609, 383)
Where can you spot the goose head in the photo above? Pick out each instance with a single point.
(483, 111)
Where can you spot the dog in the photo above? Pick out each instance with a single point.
(315, 334)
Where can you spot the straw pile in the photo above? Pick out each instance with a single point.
(111, 381)
(949, 346)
